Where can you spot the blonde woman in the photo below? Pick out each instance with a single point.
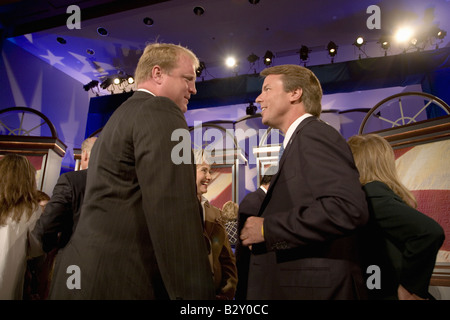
(19, 210)
(399, 239)
(221, 256)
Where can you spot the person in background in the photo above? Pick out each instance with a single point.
(304, 239)
(399, 239)
(229, 217)
(221, 256)
(19, 210)
(60, 216)
(36, 271)
(43, 199)
(139, 235)
(248, 207)
(59, 220)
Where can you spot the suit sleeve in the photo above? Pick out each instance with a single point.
(229, 270)
(416, 236)
(169, 201)
(329, 178)
(56, 216)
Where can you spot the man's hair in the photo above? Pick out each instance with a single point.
(294, 77)
(164, 55)
(266, 179)
(87, 144)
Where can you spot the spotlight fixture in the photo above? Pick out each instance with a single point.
(359, 42)
(130, 79)
(90, 85)
(255, 2)
(199, 11)
(404, 35)
(252, 58)
(102, 31)
(304, 53)
(332, 48)
(61, 40)
(200, 69)
(106, 83)
(385, 44)
(251, 109)
(117, 80)
(231, 62)
(440, 34)
(268, 58)
(148, 21)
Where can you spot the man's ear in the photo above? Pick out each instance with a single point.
(296, 95)
(84, 155)
(157, 74)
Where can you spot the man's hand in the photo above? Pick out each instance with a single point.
(252, 232)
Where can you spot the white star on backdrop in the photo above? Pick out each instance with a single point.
(52, 59)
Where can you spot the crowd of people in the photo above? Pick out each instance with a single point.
(139, 226)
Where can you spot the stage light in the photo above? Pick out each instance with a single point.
(199, 11)
(251, 109)
(252, 58)
(359, 42)
(148, 21)
(106, 83)
(90, 85)
(385, 44)
(304, 53)
(117, 80)
(102, 31)
(130, 79)
(231, 62)
(200, 69)
(404, 34)
(61, 40)
(268, 58)
(440, 34)
(332, 48)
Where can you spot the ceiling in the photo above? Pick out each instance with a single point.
(226, 27)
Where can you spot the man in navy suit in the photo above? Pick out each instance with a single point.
(56, 224)
(140, 235)
(303, 240)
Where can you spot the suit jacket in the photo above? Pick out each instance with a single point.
(221, 256)
(62, 212)
(401, 241)
(139, 235)
(311, 212)
(249, 206)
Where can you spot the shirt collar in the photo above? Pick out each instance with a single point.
(292, 128)
(263, 189)
(145, 90)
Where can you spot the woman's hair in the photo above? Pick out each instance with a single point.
(164, 55)
(294, 77)
(375, 160)
(230, 211)
(18, 191)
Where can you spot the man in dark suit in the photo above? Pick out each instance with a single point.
(56, 224)
(59, 219)
(140, 235)
(304, 240)
(248, 207)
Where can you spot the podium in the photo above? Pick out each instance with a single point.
(28, 132)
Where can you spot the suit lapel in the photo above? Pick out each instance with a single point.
(286, 152)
